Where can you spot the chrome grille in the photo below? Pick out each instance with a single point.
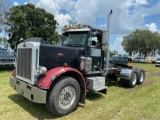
(24, 62)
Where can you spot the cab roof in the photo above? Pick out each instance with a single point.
(79, 29)
(85, 30)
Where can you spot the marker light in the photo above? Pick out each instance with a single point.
(65, 64)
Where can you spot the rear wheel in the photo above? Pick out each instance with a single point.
(63, 97)
(140, 76)
(132, 82)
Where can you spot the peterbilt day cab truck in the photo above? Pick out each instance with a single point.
(60, 76)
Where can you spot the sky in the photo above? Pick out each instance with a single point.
(128, 15)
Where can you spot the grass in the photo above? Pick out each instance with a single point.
(140, 103)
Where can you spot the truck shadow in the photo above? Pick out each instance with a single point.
(115, 82)
(38, 111)
(94, 96)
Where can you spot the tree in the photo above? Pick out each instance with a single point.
(65, 28)
(72, 24)
(157, 43)
(4, 11)
(3, 42)
(141, 41)
(4, 7)
(112, 53)
(28, 21)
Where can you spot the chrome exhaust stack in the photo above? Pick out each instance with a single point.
(105, 42)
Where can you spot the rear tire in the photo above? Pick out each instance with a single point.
(140, 76)
(132, 82)
(63, 97)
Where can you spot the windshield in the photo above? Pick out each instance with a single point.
(4, 52)
(74, 38)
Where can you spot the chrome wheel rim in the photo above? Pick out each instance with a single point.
(141, 77)
(67, 97)
(134, 79)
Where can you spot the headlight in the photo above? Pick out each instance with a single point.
(41, 70)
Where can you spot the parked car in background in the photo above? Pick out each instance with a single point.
(123, 60)
(129, 59)
(7, 59)
(138, 59)
(153, 59)
(157, 62)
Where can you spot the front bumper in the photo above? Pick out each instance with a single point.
(32, 93)
(6, 64)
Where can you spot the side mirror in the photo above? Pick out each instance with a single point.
(94, 43)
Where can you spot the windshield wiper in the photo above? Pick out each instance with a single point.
(73, 45)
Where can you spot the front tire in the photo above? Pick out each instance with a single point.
(63, 96)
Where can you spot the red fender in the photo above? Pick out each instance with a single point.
(45, 81)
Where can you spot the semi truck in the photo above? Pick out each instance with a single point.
(61, 76)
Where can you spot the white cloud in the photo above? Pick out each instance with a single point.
(127, 16)
(141, 2)
(117, 46)
(54, 7)
(124, 19)
(152, 27)
(62, 20)
(26, 3)
(15, 3)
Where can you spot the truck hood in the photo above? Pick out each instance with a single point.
(53, 56)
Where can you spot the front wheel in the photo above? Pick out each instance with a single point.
(63, 97)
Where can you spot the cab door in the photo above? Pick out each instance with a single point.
(94, 50)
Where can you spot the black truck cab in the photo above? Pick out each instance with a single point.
(89, 40)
